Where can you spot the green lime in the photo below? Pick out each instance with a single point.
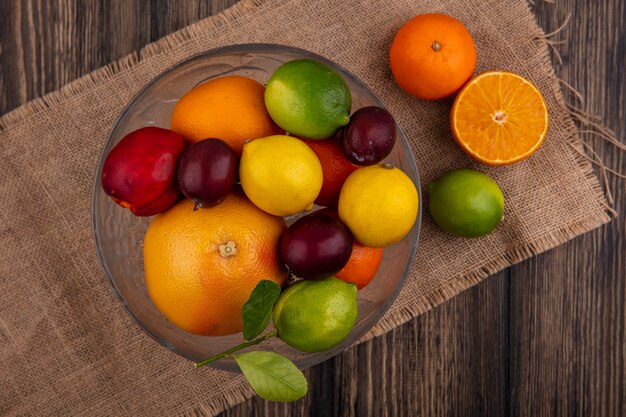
(466, 203)
(313, 316)
(308, 99)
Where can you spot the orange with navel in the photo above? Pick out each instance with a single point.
(499, 118)
(201, 266)
(231, 108)
(432, 56)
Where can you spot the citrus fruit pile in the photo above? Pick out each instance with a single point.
(497, 118)
(245, 157)
(240, 159)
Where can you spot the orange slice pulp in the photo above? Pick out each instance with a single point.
(499, 118)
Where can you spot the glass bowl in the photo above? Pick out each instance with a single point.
(119, 234)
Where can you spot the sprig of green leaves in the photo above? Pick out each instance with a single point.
(271, 375)
(258, 309)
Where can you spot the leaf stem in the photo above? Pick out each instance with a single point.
(236, 348)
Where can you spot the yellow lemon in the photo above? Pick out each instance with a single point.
(280, 174)
(379, 205)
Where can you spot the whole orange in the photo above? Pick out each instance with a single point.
(230, 108)
(362, 265)
(335, 169)
(201, 266)
(432, 56)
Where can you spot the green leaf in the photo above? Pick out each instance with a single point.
(258, 308)
(272, 376)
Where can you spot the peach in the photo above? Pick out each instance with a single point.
(140, 171)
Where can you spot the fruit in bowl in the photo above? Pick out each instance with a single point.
(140, 171)
(316, 246)
(201, 266)
(207, 172)
(204, 258)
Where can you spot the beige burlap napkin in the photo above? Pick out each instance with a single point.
(66, 345)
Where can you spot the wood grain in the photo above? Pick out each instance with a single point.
(545, 337)
(568, 305)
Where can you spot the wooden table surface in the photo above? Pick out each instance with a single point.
(544, 337)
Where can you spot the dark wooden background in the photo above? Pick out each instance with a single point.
(545, 337)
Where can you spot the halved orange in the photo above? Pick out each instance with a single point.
(499, 118)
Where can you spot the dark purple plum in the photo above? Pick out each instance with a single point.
(207, 172)
(315, 246)
(369, 137)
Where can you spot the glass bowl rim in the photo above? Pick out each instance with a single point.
(253, 47)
